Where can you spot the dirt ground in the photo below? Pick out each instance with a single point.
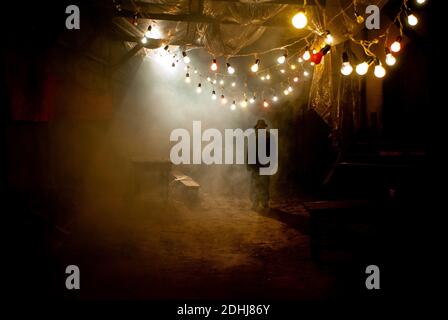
(218, 249)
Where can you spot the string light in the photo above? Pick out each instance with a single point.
(230, 69)
(390, 59)
(290, 89)
(263, 78)
(329, 38)
(412, 20)
(286, 92)
(296, 79)
(221, 82)
(148, 32)
(362, 68)
(282, 70)
(275, 98)
(213, 95)
(255, 66)
(293, 67)
(300, 60)
(306, 55)
(306, 73)
(233, 84)
(420, 2)
(252, 100)
(396, 45)
(144, 40)
(265, 104)
(379, 72)
(346, 68)
(244, 103)
(282, 58)
(187, 59)
(187, 78)
(299, 21)
(199, 88)
(223, 99)
(233, 105)
(268, 77)
(214, 65)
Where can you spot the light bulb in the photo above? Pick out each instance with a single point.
(296, 79)
(412, 20)
(187, 59)
(144, 40)
(199, 88)
(290, 89)
(293, 67)
(254, 67)
(244, 103)
(252, 100)
(233, 84)
(286, 92)
(209, 79)
(329, 38)
(187, 78)
(213, 95)
(420, 2)
(268, 77)
(265, 104)
(221, 82)
(263, 78)
(230, 69)
(346, 68)
(306, 73)
(362, 68)
(275, 98)
(390, 59)
(214, 65)
(223, 99)
(300, 60)
(306, 55)
(214, 81)
(299, 21)
(233, 105)
(379, 72)
(148, 32)
(282, 70)
(282, 59)
(396, 45)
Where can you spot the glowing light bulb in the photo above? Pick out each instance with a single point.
(412, 20)
(306, 73)
(263, 78)
(244, 103)
(346, 68)
(290, 89)
(286, 92)
(379, 72)
(329, 38)
(214, 81)
(230, 69)
(268, 77)
(221, 82)
(144, 40)
(187, 78)
(223, 99)
(214, 65)
(209, 79)
(396, 45)
(299, 21)
(390, 59)
(306, 55)
(199, 88)
(359, 18)
(420, 2)
(275, 98)
(148, 32)
(296, 79)
(233, 84)
(300, 60)
(282, 70)
(282, 59)
(233, 105)
(213, 95)
(252, 100)
(293, 67)
(265, 104)
(362, 68)
(254, 67)
(187, 59)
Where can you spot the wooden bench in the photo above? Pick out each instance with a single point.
(190, 186)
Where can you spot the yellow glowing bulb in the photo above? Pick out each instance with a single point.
(421, 2)
(244, 103)
(290, 89)
(265, 104)
(395, 47)
(306, 55)
(306, 73)
(275, 98)
(362, 68)
(144, 40)
(268, 77)
(254, 67)
(293, 67)
(281, 59)
(390, 59)
(346, 68)
(329, 38)
(412, 20)
(286, 92)
(296, 79)
(252, 100)
(223, 100)
(379, 72)
(214, 65)
(213, 95)
(233, 106)
(299, 21)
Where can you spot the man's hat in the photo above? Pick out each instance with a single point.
(261, 124)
